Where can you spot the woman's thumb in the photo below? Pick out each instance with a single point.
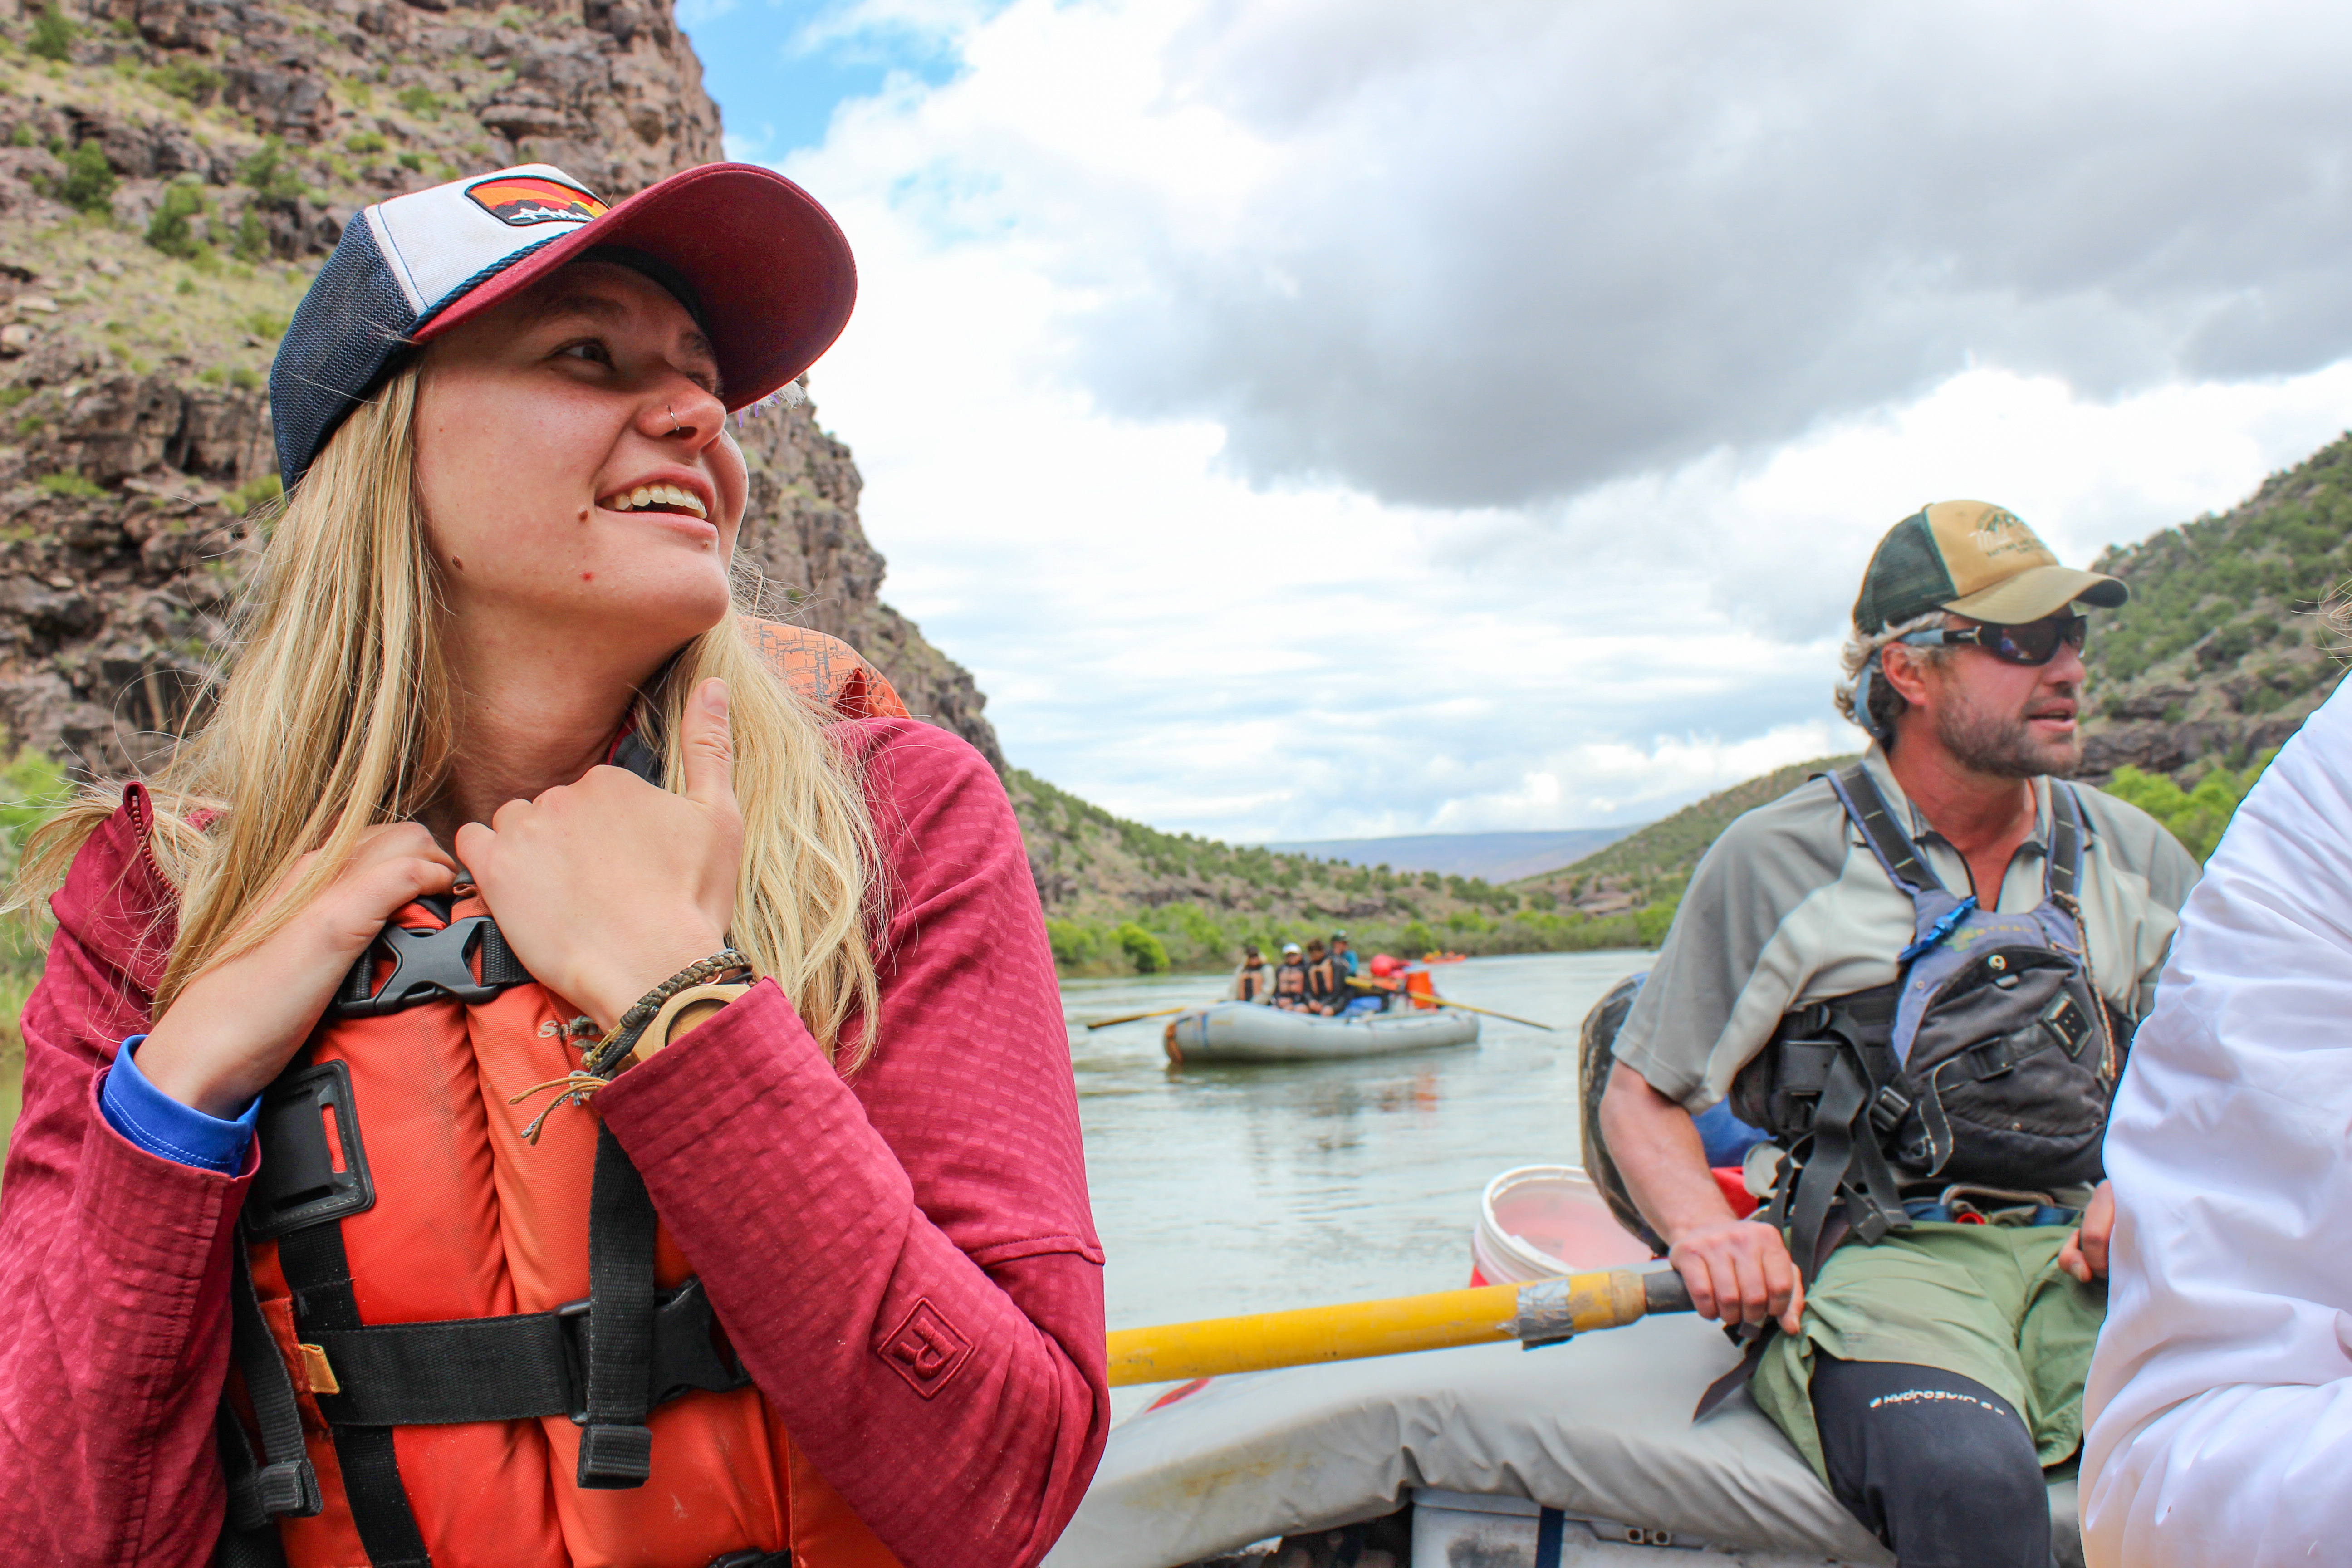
(709, 746)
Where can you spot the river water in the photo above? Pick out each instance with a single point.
(1239, 1189)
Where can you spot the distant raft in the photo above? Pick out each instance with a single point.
(1251, 1032)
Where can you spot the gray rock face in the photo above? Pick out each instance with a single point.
(134, 428)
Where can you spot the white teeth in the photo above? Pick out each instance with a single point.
(660, 495)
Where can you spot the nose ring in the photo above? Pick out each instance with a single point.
(673, 425)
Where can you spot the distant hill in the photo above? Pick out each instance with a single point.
(1122, 896)
(1497, 857)
(1648, 868)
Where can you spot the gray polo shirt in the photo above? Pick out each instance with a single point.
(1790, 908)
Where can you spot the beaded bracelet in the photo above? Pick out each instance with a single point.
(603, 1058)
(725, 964)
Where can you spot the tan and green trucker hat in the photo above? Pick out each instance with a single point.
(1976, 559)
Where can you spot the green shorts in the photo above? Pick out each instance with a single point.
(1987, 1301)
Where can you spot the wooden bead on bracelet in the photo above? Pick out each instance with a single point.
(681, 1013)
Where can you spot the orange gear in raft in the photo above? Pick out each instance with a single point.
(468, 1222)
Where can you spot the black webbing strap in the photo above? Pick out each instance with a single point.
(318, 1272)
(616, 1447)
(1857, 1109)
(2066, 844)
(282, 1481)
(501, 967)
(242, 1544)
(1876, 819)
(508, 1369)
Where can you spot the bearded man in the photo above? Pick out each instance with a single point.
(1919, 977)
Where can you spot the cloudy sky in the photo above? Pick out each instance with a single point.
(1326, 418)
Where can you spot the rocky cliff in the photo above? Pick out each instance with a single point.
(172, 172)
(2226, 646)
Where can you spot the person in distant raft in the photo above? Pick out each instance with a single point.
(1919, 976)
(1343, 955)
(1290, 980)
(1252, 983)
(556, 1070)
(1327, 982)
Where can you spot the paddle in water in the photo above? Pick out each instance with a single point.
(1446, 1002)
(1132, 1017)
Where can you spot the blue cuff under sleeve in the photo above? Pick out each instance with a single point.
(162, 1126)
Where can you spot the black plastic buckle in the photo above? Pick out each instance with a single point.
(1888, 1107)
(425, 965)
(572, 1322)
(685, 1356)
(302, 1182)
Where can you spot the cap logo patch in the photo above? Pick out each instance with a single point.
(2000, 531)
(522, 200)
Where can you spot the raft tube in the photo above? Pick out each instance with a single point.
(1589, 1442)
(1251, 1032)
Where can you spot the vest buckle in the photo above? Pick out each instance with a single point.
(427, 964)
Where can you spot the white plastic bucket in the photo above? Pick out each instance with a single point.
(1544, 1220)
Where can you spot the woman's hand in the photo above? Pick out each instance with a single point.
(2085, 1255)
(237, 1024)
(607, 888)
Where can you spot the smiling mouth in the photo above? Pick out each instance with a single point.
(659, 498)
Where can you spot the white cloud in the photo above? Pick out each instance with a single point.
(1311, 420)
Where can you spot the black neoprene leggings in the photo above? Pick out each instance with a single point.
(1938, 1466)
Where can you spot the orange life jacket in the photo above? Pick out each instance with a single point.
(397, 1189)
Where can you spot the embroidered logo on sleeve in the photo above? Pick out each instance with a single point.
(925, 1350)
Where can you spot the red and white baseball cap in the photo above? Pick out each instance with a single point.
(762, 266)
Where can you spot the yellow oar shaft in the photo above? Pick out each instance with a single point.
(1443, 1002)
(1545, 1310)
(1131, 1017)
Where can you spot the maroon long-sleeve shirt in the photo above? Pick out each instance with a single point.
(947, 1174)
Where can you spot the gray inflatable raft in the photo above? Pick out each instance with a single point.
(1251, 1032)
(1484, 1441)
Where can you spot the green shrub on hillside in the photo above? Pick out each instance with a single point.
(90, 182)
(1074, 944)
(53, 35)
(1143, 949)
(171, 230)
(186, 78)
(31, 787)
(2197, 815)
(271, 176)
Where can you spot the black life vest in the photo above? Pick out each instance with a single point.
(1290, 980)
(1989, 1062)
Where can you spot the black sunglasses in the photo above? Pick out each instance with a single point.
(2035, 642)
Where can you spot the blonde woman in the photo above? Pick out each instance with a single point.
(556, 1072)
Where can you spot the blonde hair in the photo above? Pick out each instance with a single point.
(337, 718)
(1862, 653)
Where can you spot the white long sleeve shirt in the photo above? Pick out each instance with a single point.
(2219, 1414)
